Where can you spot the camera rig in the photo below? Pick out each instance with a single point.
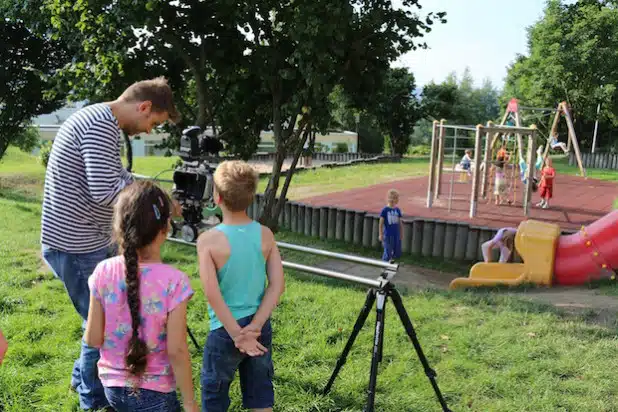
(193, 182)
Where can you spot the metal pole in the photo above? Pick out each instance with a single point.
(596, 125)
(350, 258)
(450, 195)
(310, 269)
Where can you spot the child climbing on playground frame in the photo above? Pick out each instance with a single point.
(465, 164)
(546, 185)
(504, 240)
(391, 227)
(499, 181)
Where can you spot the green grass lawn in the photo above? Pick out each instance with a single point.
(491, 352)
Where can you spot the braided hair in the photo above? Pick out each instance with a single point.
(140, 214)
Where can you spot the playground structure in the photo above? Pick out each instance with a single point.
(512, 116)
(553, 259)
(481, 170)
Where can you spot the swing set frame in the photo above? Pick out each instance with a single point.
(513, 108)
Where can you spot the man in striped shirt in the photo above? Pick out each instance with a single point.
(83, 179)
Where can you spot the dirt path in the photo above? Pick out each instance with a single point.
(591, 303)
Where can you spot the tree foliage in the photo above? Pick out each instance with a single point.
(571, 57)
(396, 108)
(241, 67)
(459, 102)
(29, 62)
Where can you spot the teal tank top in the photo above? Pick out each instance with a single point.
(242, 279)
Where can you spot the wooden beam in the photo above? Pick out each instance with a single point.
(573, 138)
(520, 144)
(530, 173)
(553, 126)
(507, 129)
(493, 140)
(474, 195)
(432, 163)
(486, 161)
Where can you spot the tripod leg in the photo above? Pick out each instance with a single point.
(193, 339)
(377, 349)
(407, 324)
(362, 317)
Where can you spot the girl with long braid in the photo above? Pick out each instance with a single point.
(138, 308)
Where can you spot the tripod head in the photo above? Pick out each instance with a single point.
(388, 274)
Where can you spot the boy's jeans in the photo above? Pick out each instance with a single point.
(392, 248)
(74, 270)
(221, 361)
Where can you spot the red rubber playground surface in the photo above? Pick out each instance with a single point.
(576, 201)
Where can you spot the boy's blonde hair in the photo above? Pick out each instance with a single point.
(393, 194)
(236, 182)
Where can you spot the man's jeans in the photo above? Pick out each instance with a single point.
(74, 270)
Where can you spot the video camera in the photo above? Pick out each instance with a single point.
(193, 179)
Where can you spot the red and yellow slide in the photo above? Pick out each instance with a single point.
(553, 259)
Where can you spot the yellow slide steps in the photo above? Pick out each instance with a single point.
(536, 244)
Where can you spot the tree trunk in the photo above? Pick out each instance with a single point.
(4, 145)
(288, 177)
(202, 93)
(272, 208)
(267, 217)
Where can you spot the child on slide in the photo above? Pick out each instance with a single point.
(138, 310)
(504, 240)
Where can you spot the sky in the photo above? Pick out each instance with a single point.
(484, 35)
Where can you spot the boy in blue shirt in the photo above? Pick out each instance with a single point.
(391, 227)
(236, 258)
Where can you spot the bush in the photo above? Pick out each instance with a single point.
(320, 148)
(44, 152)
(419, 150)
(340, 148)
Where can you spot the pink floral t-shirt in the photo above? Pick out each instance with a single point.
(162, 288)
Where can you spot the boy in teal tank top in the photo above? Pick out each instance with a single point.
(242, 275)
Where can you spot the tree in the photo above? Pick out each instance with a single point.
(303, 50)
(202, 57)
(396, 108)
(571, 57)
(459, 102)
(243, 65)
(28, 64)
(344, 115)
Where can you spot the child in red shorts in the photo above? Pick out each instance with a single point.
(546, 186)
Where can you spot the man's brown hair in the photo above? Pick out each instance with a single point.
(158, 92)
(236, 182)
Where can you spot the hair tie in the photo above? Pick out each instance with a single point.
(161, 201)
(156, 211)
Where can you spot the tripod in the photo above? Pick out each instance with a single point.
(381, 295)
